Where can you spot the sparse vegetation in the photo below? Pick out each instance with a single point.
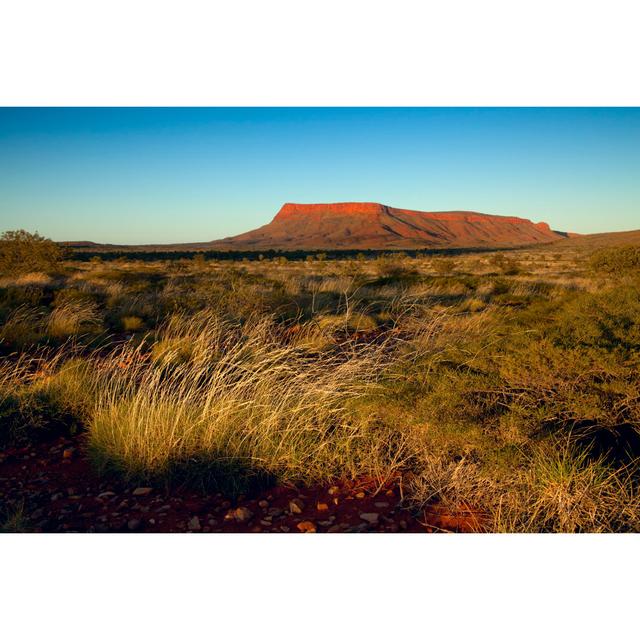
(508, 383)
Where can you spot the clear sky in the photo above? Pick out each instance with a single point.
(179, 175)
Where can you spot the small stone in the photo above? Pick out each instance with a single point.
(142, 491)
(194, 524)
(212, 522)
(380, 505)
(263, 504)
(67, 454)
(241, 514)
(322, 506)
(284, 529)
(296, 505)
(393, 527)
(333, 490)
(106, 494)
(265, 523)
(274, 512)
(336, 501)
(403, 524)
(360, 495)
(306, 526)
(336, 528)
(152, 521)
(371, 518)
(134, 525)
(325, 523)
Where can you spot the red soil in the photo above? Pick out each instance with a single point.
(57, 491)
(369, 225)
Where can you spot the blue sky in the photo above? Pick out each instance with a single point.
(180, 175)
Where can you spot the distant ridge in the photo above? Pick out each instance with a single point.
(370, 225)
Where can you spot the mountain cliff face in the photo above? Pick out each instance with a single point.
(368, 225)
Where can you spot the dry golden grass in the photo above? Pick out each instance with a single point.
(463, 377)
(241, 400)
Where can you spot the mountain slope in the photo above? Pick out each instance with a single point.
(368, 225)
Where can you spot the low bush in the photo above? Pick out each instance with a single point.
(506, 264)
(616, 260)
(22, 252)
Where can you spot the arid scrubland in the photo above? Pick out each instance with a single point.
(508, 382)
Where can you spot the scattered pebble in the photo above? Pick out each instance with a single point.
(371, 518)
(306, 526)
(142, 491)
(296, 505)
(134, 525)
(241, 514)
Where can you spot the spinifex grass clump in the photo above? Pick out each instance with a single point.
(45, 393)
(71, 318)
(242, 405)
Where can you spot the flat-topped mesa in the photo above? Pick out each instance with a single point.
(341, 208)
(292, 209)
(371, 225)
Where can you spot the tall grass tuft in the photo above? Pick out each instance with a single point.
(241, 403)
(72, 317)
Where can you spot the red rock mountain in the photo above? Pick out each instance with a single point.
(368, 225)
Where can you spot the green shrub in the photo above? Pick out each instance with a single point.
(506, 264)
(24, 252)
(618, 260)
(393, 267)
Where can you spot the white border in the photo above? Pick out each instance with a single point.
(334, 52)
(332, 586)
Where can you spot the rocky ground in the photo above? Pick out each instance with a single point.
(50, 487)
